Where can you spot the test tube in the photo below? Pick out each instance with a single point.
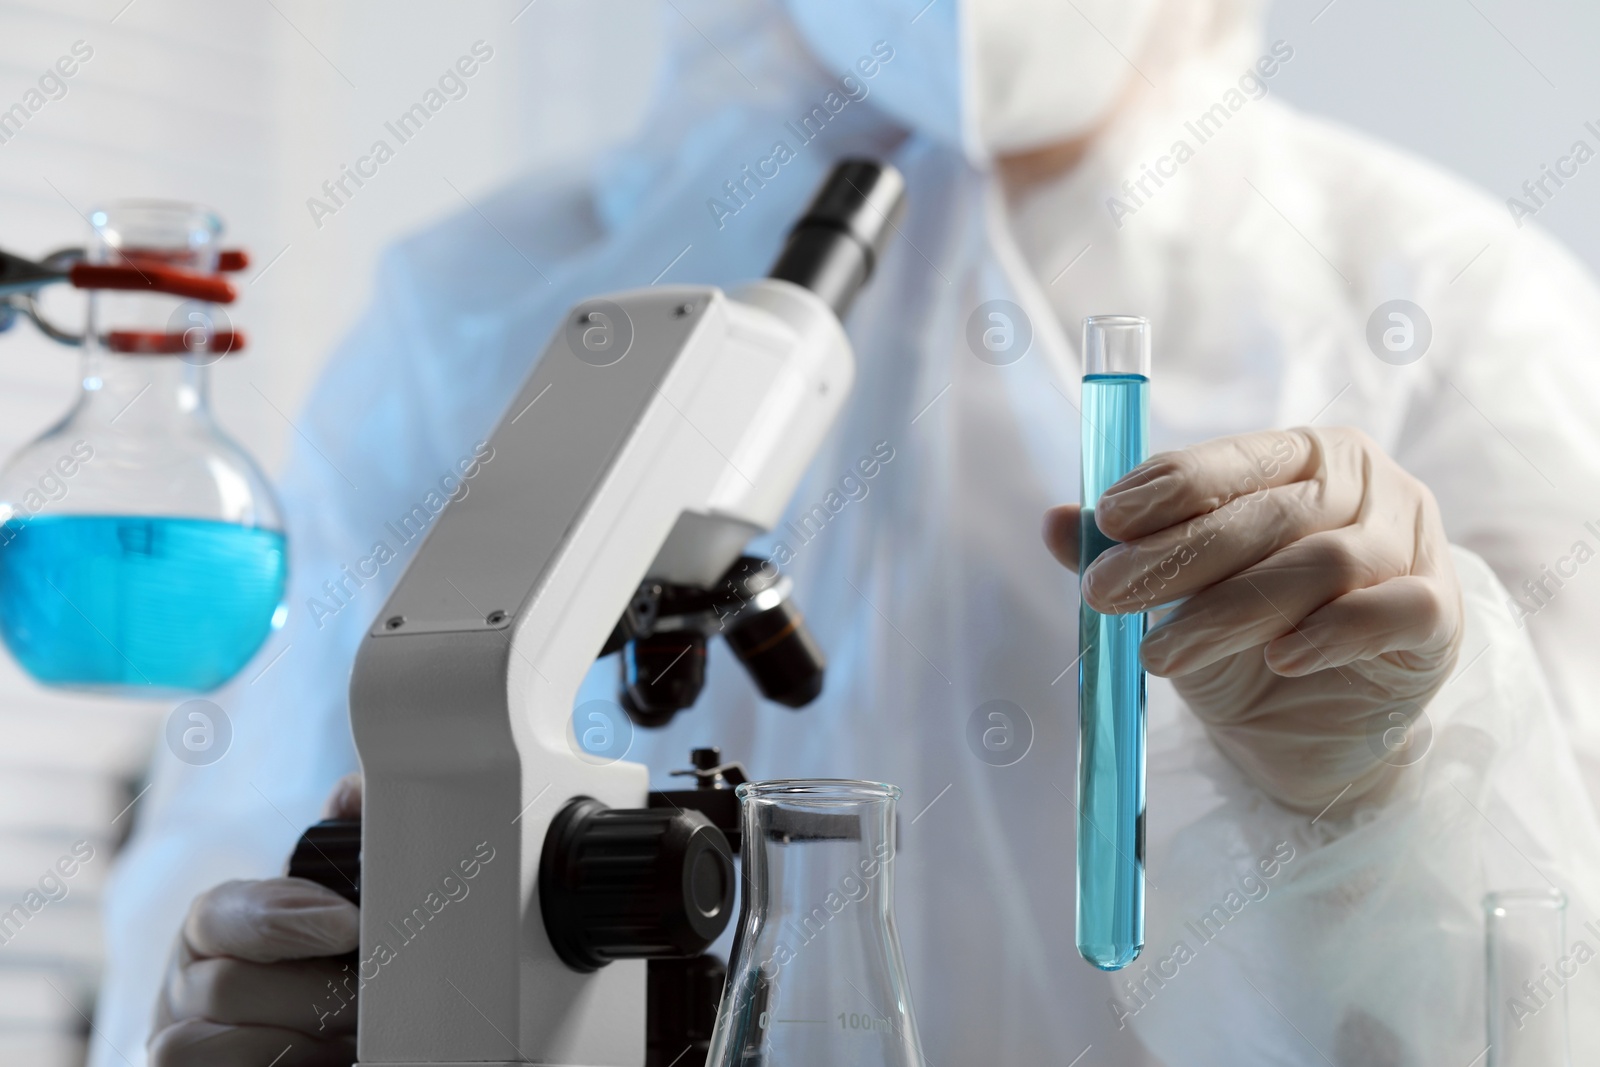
(1111, 682)
(1528, 961)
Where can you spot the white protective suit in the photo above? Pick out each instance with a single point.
(1260, 257)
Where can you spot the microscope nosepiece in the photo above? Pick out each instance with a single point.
(662, 674)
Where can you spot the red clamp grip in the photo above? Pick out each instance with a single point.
(153, 278)
(157, 343)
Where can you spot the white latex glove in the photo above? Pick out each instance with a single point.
(248, 978)
(1323, 608)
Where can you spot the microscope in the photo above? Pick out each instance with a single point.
(522, 900)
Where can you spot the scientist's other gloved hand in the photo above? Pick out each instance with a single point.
(1323, 608)
(249, 976)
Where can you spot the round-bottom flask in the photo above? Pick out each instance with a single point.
(141, 550)
(816, 978)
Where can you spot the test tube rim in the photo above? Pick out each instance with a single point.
(1549, 898)
(1095, 355)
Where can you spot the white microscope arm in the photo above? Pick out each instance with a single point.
(659, 431)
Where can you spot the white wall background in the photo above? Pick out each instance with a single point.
(250, 105)
(1490, 89)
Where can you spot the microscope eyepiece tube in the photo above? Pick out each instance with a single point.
(835, 246)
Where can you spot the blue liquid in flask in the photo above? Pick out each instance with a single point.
(1111, 697)
(137, 602)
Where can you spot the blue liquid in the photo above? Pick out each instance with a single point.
(135, 602)
(1111, 697)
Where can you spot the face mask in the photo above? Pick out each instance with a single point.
(1044, 71)
(987, 76)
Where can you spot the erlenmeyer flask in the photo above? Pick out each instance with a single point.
(816, 978)
(141, 550)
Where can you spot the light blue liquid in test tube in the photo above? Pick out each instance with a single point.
(1111, 681)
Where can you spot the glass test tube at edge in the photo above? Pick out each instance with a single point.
(1526, 940)
(1111, 680)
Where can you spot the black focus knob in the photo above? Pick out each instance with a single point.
(329, 854)
(624, 883)
(681, 1010)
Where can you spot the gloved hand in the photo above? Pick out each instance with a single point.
(1323, 608)
(248, 979)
